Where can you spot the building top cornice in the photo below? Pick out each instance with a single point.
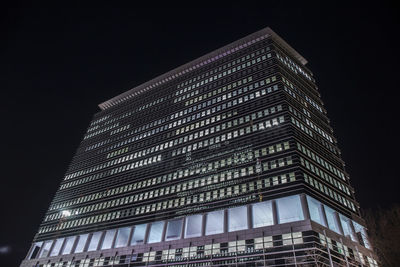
(203, 61)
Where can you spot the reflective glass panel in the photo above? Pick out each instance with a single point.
(289, 209)
(346, 226)
(122, 237)
(69, 242)
(262, 214)
(237, 218)
(45, 249)
(155, 232)
(108, 239)
(81, 243)
(174, 230)
(315, 209)
(360, 231)
(193, 225)
(35, 250)
(215, 222)
(330, 217)
(57, 246)
(94, 241)
(138, 234)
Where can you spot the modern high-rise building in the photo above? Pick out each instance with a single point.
(228, 160)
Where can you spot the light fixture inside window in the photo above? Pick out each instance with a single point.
(66, 213)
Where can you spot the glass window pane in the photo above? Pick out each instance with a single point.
(69, 242)
(289, 209)
(215, 222)
(45, 249)
(330, 217)
(237, 218)
(193, 226)
(315, 209)
(81, 243)
(122, 237)
(262, 214)
(35, 250)
(57, 246)
(108, 239)
(174, 229)
(346, 226)
(94, 241)
(155, 232)
(138, 234)
(362, 234)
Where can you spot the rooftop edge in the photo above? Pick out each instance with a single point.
(200, 62)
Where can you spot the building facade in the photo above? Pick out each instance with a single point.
(228, 160)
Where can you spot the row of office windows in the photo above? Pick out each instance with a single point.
(292, 66)
(215, 179)
(200, 83)
(189, 110)
(320, 173)
(310, 133)
(214, 194)
(230, 161)
(283, 210)
(321, 161)
(288, 209)
(327, 191)
(176, 115)
(127, 114)
(100, 131)
(222, 57)
(220, 75)
(312, 125)
(302, 95)
(218, 108)
(207, 95)
(214, 71)
(325, 176)
(234, 252)
(346, 251)
(208, 142)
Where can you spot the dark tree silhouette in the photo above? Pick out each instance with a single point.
(384, 234)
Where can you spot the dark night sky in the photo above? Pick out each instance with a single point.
(58, 63)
